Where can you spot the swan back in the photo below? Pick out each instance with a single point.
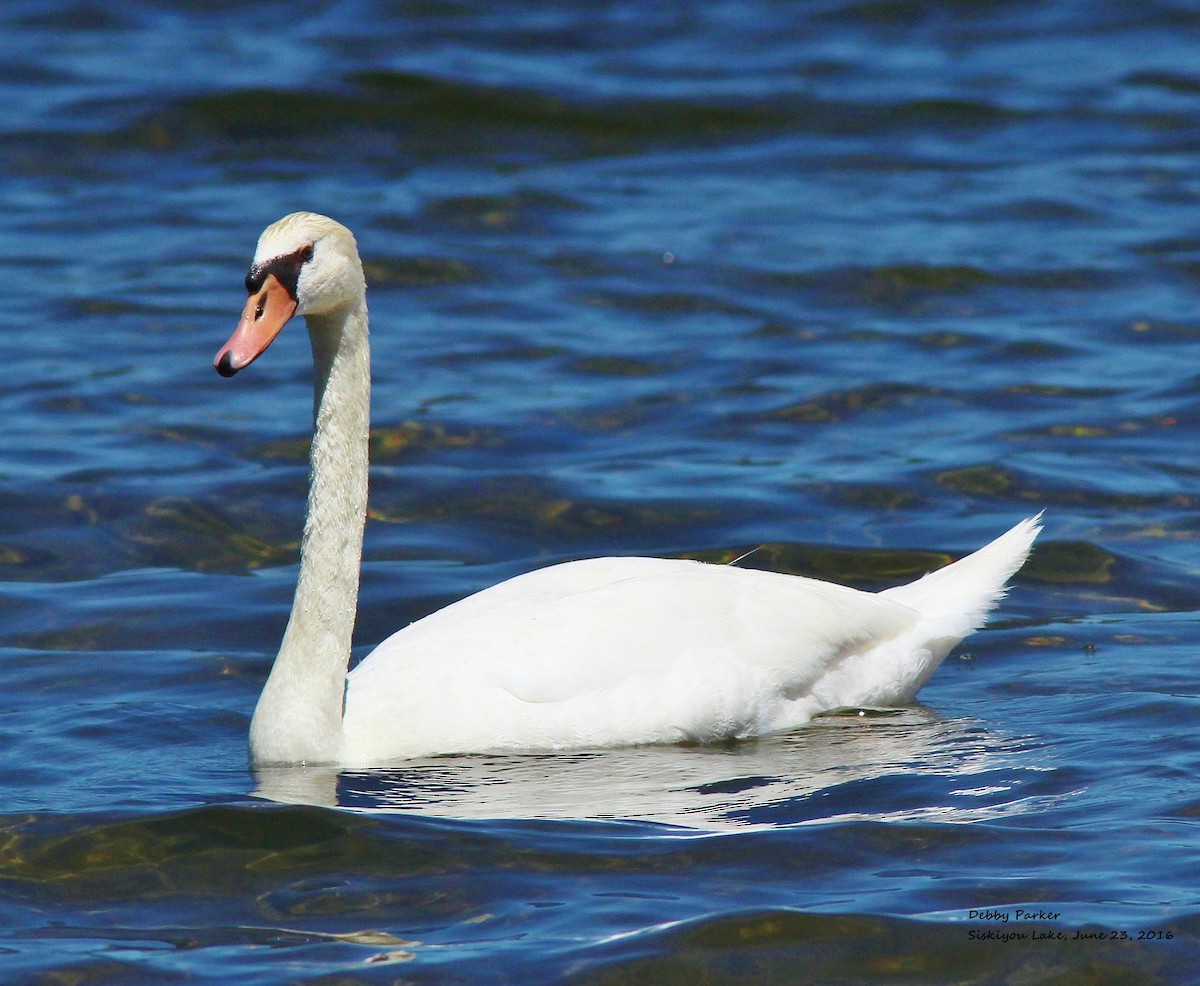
(612, 651)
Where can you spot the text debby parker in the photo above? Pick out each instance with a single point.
(1017, 914)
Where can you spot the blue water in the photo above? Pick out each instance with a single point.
(856, 284)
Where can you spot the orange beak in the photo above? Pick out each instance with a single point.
(267, 311)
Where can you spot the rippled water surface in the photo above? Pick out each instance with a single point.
(857, 284)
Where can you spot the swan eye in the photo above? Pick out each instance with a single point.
(306, 254)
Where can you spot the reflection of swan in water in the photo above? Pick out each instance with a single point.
(750, 784)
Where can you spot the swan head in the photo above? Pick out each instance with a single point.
(305, 264)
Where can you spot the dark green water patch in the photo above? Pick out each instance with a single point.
(989, 481)
(666, 302)
(98, 532)
(615, 366)
(391, 443)
(1069, 562)
(175, 532)
(916, 287)
(384, 273)
(873, 497)
(259, 114)
(1033, 349)
(1103, 428)
(538, 507)
(1066, 392)
(223, 850)
(865, 567)
(76, 18)
(523, 211)
(841, 405)
(425, 111)
(948, 340)
(1163, 331)
(985, 481)
(769, 947)
(625, 415)
(1041, 210)
(396, 442)
(605, 125)
(1173, 82)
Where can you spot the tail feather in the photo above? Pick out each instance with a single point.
(963, 593)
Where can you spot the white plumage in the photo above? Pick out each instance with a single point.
(589, 653)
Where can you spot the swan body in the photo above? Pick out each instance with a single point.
(602, 652)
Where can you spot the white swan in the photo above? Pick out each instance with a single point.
(604, 652)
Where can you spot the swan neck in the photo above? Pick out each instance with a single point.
(299, 715)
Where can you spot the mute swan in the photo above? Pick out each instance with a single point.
(603, 652)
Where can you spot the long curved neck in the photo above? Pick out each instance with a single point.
(299, 714)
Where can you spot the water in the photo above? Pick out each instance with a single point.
(862, 283)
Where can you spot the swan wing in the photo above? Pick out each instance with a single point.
(615, 650)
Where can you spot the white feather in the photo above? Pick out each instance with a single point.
(585, 654)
